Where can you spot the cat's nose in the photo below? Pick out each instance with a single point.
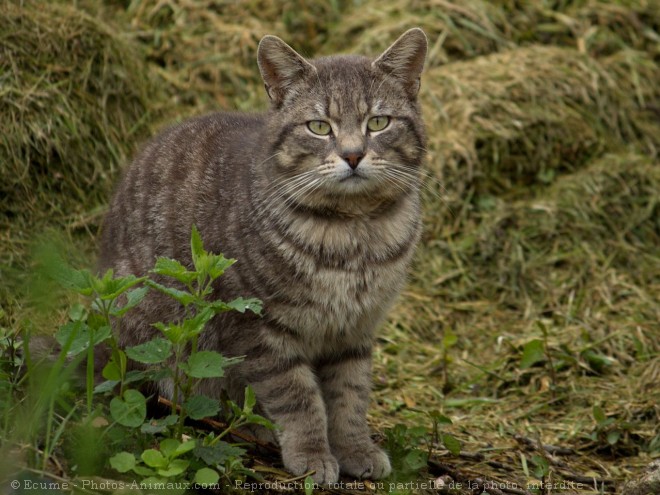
(353, 158)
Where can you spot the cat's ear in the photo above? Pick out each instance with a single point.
(280, 66)
(404, 59)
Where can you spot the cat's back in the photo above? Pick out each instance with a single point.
(200, 158)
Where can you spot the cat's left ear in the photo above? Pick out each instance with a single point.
(280, 66)
(404, 59)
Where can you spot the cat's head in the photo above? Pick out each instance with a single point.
(345, 126)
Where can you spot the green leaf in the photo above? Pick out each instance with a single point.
(172, 448)
(546, 176)
(154, 458)
(168, 447)
(241, 305)
(111, 372)
(174, 468)
(184, 297)
(417, 433)
(173, 332)
(154, 426)
(599, 415)
(250, 400)
(613, 437)
(81, 336)
(106, 386)
(133, 298)
(55, 268)
(416, 459)
(144, 375)
(185, 447)
(206, 476)
(110, 288)
(196, 246)
(533, 352)
(143, 471)
(154, 351)
(218, 306)
(449, 339)
(259, 420)
(217, 264)
(122, 462)
(597, 362)
(172, 268)
(131, 410)
(200, 407)
(116, 366)
(77, 332)
(542, 466)
(218, 453)
(78, 312)
(309, 485)
(195, 325)
(451, 444)
(205, 364)
(439, 418)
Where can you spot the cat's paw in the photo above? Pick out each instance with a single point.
(364, 461)
(325, 465)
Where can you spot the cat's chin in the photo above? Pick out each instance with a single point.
(360, 189)
(357, 190)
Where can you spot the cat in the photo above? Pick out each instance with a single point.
(318, 199)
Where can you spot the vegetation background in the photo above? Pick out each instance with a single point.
(532, 314)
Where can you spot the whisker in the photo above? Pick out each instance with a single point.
(422, 179)
(280, 189)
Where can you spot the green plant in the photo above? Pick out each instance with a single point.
(410, 448)
(449, 441)
(404, 445)
(173, 356)
(609, 433)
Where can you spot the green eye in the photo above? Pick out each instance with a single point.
(320, 127)
(378, 123)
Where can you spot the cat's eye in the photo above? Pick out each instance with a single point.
(378, 123)
(320, 127)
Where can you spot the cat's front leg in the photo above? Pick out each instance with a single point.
(288, 392)
(346, 383)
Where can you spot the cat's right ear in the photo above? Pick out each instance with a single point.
(404, 59)
(280, 66)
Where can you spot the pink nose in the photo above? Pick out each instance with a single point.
(353, 159)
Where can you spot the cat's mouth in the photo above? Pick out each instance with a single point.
(353, 175)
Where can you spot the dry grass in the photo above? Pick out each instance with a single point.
(75, 100)
(206, 50)
(74, 96)
(511, 121)
(542, 207)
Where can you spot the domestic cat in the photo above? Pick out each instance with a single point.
(318, 199)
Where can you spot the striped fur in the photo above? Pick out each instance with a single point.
(326, 248)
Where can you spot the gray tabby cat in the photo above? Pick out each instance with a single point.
(319, 201)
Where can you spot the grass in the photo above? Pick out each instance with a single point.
(531, 317)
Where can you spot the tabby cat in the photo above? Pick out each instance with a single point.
(318, 199)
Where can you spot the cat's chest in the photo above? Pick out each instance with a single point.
(346, 274)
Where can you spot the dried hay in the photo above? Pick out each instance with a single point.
(589, 240)
(611, 206)
(596, 27)
(206, 50)
(521, 118)
(456, 29)
(578, 261)
(74, 98)
(546, 156)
